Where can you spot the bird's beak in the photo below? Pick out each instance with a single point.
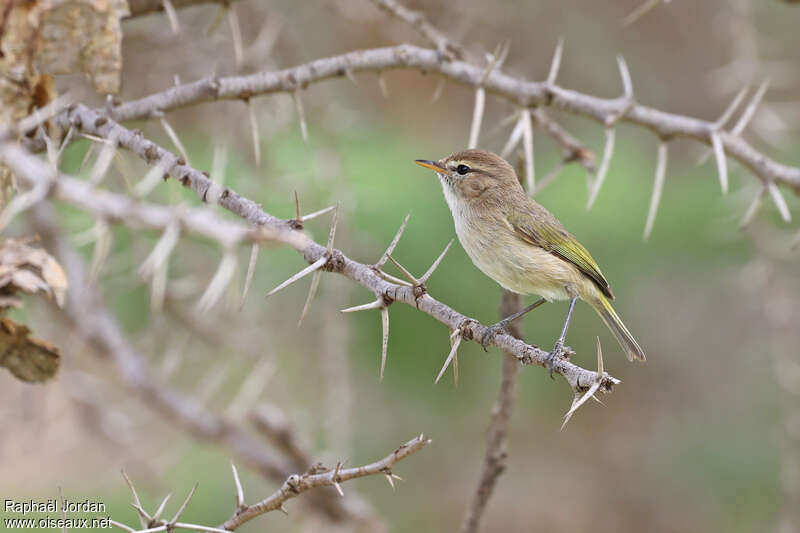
(433, 165)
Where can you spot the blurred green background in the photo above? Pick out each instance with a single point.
(700, 438)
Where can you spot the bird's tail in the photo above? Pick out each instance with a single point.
(614, 323)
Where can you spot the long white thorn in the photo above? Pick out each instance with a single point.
(435, 264)
(184, 505)
(393, 244)
(150, 180)
(319, 213)
(161, 507)
(332, 233)
(22, 202)
(251, 390)
(627, 84)
(437, 92)
(658, 186)
(556, 63)
(251, 113)
(305, 272)
(514, 138)
(174, 138)
(453, 349)
(239, 489)
(602, 171)
(455, 363)
(161, 251)
(312, 291)
(236, 34)
(580, 400)
(102, 248)
(383, 87)
(750, 110)
(384, 337)
(732, 107)
(527, 136)
(394, 279)
(549, 177)
(143, 516)
(404, 271)
(779, 201)
(209, 385)
(220, 281)
(251, 268)
(103, 162)
(158, 288)
(301, 116)
(722, 165)
(377, 304)
(753, 208)
(136, 500)
(723, 119)
(477, 117)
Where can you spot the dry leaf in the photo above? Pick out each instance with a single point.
(31, 270)
(28, 358)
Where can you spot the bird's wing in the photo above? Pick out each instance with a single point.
(544, 231)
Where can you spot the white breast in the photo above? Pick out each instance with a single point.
(522, 269)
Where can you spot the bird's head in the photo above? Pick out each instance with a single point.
(474, 176)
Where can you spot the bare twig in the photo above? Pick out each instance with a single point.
(317, 255)
(522, 93)
(494, 460)
(297, 484)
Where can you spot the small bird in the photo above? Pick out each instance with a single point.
(521, 245)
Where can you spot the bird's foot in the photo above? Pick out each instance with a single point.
(491, 331)
(558, 351)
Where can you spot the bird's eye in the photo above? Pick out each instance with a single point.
(462, 169)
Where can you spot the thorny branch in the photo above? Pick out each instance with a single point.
(293, 486)
(92, 122)
(97, 325)
(527, 94)
(297, 484)
(109, 206)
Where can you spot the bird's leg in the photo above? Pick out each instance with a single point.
(559, 347)
(502, 326)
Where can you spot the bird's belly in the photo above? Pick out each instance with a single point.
(519, 267)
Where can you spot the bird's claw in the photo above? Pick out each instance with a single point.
(491, 331)
(558, 351)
